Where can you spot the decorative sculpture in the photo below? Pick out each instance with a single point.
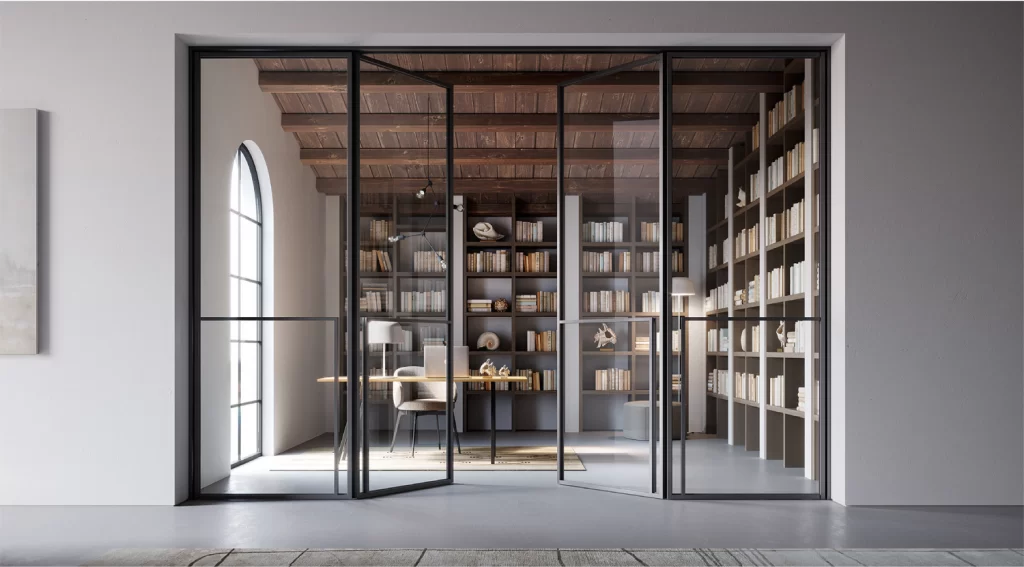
(501, 305)
(741, 198)
(504, 371)
(488, 341)
(605, 336)
(484, 231)
(781, 333)
(487, 368)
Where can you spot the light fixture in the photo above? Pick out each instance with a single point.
(682, 286)
(384, 333)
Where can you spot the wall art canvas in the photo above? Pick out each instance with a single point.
(18, 232)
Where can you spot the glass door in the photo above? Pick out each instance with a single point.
(611, 396)
(401, 295)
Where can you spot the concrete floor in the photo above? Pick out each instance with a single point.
(712, 466)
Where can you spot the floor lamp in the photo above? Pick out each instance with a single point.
(384, 333)
(681, 287)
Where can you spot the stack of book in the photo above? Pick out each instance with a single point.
(433, 341)
(613, 379)
(478, 305)
(754, 289)
(540, 302)
(649, 232)
(756, 134)
(374, 261)
(746, 241)
(533, 262)
(650, 302)
(796, 277)
(776, 173)
(610, 231)
(426, 262)
(718, 298)
(642, 344)
(376, 297)
(650, 262)
(678, 236)
(795, 161)
(678, 262)
(422, 302)
(539, 380)
(608, 301)
(786, 224)
(777, 283)
(786, 109)
(603, 262)
(487, 261)
(801, 401)
(540, 341)
(745, 386)
(717, 381)
(777, 391)
(712, 256)
(713, 340)
(378, 232)
(529, 231)
(755, 188)
(755, 338)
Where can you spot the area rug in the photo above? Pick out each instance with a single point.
(564, 557)
(529, 458)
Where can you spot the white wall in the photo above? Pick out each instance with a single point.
(233, 110)
(933, 372)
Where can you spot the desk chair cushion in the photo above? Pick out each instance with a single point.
(418, 396)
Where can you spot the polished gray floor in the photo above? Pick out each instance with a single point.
(712, 466)
(564, 557)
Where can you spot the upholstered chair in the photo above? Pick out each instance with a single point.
(420, 398)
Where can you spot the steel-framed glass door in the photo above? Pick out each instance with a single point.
(612, 400)
(399, 302)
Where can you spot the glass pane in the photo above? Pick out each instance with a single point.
(750, 374)
(248, 193)
(614, 261)
(234, 434)
(234, 188)
(249, 306)
(234, 364)
(234, 243)
(249, 245)
(403, 263)
(233, 306)
(250, 368)
(250, 430)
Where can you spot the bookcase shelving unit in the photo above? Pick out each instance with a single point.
(601, 409)
(531, 409)
(399, 276)
(762, 241)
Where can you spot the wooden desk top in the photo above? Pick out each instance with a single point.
(481, 379)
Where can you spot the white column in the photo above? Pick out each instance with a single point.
(570, 270)
(457, 310)
(696, 331)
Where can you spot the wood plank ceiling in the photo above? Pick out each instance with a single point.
(505, 119)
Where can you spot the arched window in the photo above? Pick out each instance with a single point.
(246, 279)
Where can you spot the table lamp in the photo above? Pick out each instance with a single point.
(384, 333)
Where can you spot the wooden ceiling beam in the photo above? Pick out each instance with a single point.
(480, 186)
(516, 156)
(486, 82)
(468, 123)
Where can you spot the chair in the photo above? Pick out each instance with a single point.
(419, 398)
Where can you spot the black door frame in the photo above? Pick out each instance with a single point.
(197, 53)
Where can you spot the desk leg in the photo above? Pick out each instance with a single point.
(494, 421)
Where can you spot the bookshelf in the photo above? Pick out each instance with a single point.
(762, 241)
(619, 277)
(528, 265)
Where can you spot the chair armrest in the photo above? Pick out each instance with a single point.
(401, 392)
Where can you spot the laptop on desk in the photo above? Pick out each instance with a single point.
(434, 361)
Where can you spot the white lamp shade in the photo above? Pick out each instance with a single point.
(384, 332)
(682, 286)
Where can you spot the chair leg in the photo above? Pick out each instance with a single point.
(455, 427)
(395, 434)
(437, 425)
(415, 428)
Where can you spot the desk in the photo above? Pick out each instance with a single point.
(457, 379)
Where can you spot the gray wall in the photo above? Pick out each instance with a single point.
(930, 377)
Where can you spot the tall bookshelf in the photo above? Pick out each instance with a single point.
(407, 268)
(601, 404)
(767, 267)
(531, 408)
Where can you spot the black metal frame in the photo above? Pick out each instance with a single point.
(666, 55)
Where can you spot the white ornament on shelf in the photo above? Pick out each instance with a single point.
(488, 341)
(741, 198)
(484, 231)
(743, 340)
(605, 336)
(487, 368)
